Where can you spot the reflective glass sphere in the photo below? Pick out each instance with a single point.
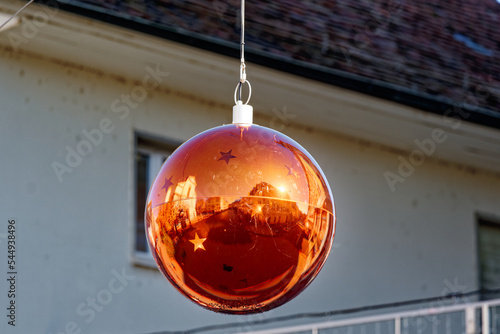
(240, 219)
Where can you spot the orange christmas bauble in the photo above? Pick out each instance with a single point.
(240, 219)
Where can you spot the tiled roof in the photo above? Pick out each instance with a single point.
(448, 50)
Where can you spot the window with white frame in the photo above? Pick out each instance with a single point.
(149, 156)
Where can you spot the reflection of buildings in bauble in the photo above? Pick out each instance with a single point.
(268, 204)
(179, 207)
(317, 195)
(317, 215)
(317, 224)
(152, 229)
(211, 205)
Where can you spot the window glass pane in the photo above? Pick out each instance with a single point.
(141, 167)
(149, 156)
(489, 257)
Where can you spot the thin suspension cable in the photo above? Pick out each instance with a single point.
(243, 75)
(17, 13)
(242, 49)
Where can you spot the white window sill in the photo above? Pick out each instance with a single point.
(144, 259)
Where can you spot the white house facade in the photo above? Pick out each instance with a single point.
(88, 113)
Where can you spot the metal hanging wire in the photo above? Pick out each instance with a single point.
(243, 74)
(242, 44)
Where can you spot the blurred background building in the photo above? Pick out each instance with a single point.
(399, 103)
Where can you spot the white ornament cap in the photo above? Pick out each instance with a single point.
(242, 114)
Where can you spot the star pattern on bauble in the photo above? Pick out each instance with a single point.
(198, 242)
(226, 156)
(291, 171)
(167, 184)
